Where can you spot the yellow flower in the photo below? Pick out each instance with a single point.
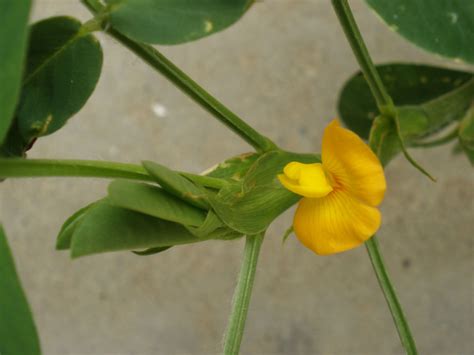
(338, 211)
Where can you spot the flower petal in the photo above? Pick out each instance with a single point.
(335, 223)
(352, 164)
(307, 180)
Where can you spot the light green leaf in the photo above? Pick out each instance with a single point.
(176, 184)
(63, 68)
(443, 27)
(106, 228)
(63, 241)
(174, 21)
(154, 201)
(13, 36)
(407, 84)
(18, 334)
(466, 134)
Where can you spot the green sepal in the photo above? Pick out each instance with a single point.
(250, 206)
(177, 185)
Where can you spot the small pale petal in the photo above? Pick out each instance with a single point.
(352, 164)
(335, 223)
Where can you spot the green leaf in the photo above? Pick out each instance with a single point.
(150, 251)
(466, 134)
(251, 205)
(407, 84)
(443, 27)
(13, 36)
(18, 334)
(154, 201)
(63, 241)
(106, 228)
(173, 21)
(63, 68)
(177, 185)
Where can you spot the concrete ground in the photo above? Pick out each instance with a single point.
(280, 68)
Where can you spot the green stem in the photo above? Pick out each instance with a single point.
(390, 296)
(384, 101)
(19, 168)
(243, 291)
(382, 98)
(387, 108)
(163, 65)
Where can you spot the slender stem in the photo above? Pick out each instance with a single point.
(383, 99)
(390, 296)
(386, 108)
(20, 168)
(243, 291)
(180, 79)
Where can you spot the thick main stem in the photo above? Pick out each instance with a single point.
(243, 291)
(180, 79)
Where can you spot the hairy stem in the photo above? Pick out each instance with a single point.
(181, 80)
(243, 292)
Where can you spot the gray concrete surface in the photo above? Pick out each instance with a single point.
(280, 68)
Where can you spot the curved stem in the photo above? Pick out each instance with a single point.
(390, 296)
(243, 291)
(180, 79)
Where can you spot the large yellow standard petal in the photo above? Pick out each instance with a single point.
(352, 164)
(335, 223)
